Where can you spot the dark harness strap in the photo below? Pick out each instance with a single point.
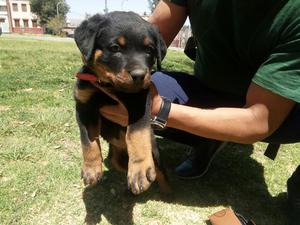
(272, 150)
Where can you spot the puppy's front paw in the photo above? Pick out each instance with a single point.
(140, 176)
(91, 173)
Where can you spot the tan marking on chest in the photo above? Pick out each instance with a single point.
(83, 95)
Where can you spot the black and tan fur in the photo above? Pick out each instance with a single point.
(120, 49)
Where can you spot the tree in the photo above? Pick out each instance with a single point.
(48, 9)
(152, 4)
(55, 24)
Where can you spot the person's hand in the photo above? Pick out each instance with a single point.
(119, 114)
(156, 100)
(116, 113)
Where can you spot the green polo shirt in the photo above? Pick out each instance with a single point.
(244, 41)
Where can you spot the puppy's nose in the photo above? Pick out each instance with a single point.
(138, 75)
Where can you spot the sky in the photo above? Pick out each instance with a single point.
(79, 8)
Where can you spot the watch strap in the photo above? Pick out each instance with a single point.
(160, 120)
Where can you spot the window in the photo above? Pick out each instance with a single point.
(3, 8)
(25, 22)
(17, 22)
(34, 23)
(24, 8)
(2, 20)
(15, 7)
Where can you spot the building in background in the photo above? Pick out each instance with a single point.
(182, 36)
(4, 21)
(70, 27)
(16, 17)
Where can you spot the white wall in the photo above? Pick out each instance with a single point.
(20, 14)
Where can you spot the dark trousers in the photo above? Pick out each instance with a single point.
(185, 89)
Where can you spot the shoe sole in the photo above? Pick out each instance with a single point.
(208, 165)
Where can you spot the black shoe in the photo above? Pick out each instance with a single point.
(199, 160)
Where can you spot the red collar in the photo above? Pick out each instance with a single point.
(86, 76)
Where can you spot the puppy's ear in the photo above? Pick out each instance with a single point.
(161, 48)
(86, 34)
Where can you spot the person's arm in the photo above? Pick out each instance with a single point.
(169, 18)
(262, 115)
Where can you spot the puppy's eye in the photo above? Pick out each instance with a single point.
(149, 49)
(115, 48)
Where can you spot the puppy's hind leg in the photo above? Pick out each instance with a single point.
(119, 158)
(161, 176)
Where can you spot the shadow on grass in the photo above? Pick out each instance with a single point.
(234, 179)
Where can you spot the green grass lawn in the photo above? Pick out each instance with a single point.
(40, 156)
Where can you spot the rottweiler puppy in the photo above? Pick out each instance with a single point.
(118, 51)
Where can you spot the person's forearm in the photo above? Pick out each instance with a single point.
(169, 18)
(227, 124)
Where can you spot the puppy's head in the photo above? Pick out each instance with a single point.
(121, 48)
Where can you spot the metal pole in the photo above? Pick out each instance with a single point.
(122, 4)
(57, 8)
(105, 9)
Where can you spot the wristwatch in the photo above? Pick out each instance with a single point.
(159, 122)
